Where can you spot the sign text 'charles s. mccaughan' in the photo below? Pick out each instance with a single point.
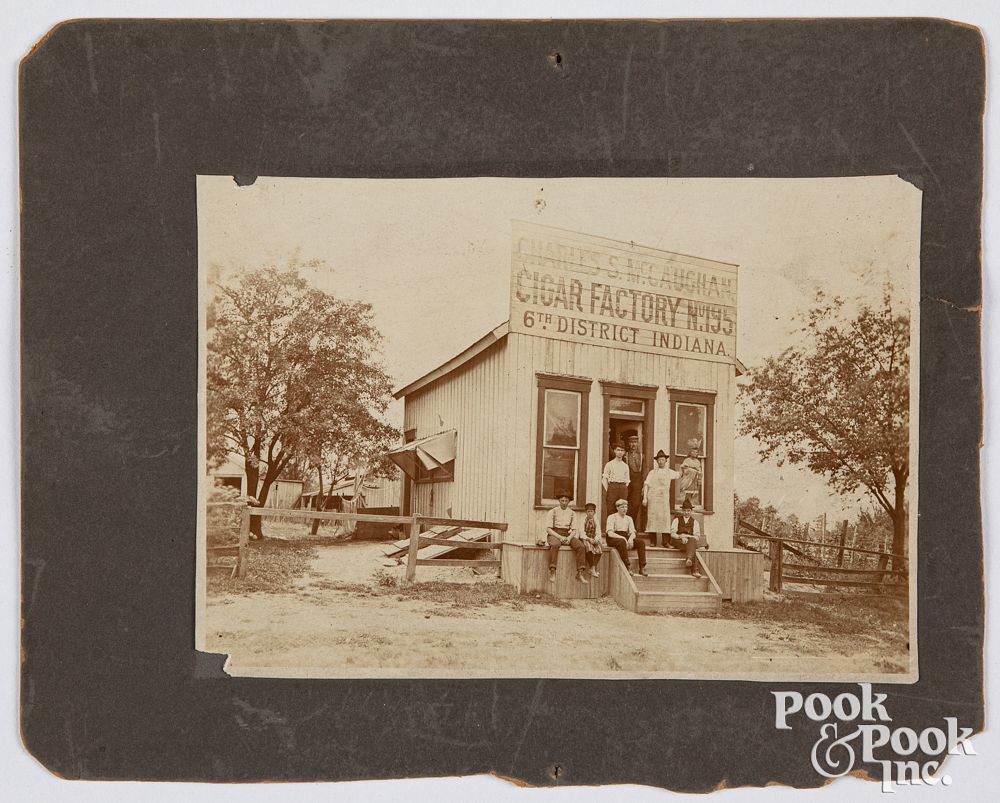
(622, 296)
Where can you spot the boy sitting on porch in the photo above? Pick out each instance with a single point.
(561, 530)
(592, 539)
(685, 534)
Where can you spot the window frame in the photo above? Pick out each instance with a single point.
(442, 474)
(580, 386)
(707, 400)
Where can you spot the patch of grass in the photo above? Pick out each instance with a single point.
(880, 618)
(462, 595)
(324, 584)
(385, 580)
(272, 566)
(613, 663)
(472, 595)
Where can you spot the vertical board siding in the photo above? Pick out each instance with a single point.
(386, 493)
(740, 574)
(493, 404)
(472, 401)
(529, 355)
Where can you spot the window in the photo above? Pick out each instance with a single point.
(692, 417)
(561, 456)
(445, 473)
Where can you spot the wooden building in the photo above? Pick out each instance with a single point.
(284, 493)
(604, 338)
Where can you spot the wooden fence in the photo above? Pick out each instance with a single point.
(882, 580)
(416, 524)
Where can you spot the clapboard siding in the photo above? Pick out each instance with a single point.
(382, 492)
(472, 400)
(529, 355)
(492, 402)
(739, 573)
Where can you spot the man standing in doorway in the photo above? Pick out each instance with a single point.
(636, 474)
(615, 479)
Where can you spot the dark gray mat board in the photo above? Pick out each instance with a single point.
(117, 119)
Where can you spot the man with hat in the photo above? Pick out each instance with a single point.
(685, 534)
(633, 458)
(561, 530)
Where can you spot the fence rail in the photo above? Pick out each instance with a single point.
(417, 540)
(827, 575)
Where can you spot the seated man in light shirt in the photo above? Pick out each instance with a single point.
(561, 530)
(615, 478)
(621, 536)
(685, 534)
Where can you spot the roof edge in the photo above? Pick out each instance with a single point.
(487, 340)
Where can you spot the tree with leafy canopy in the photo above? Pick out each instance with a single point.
(838, 402)
(293, 373)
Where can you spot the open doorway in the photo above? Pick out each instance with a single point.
(628, 424)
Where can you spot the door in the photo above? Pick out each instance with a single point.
(626, 426)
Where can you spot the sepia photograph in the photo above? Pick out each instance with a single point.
(577, 427)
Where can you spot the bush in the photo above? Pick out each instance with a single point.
(222, 527)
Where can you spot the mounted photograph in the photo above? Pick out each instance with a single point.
(578, 427)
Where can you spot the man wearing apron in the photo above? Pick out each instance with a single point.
(560, 530)
(621, 536)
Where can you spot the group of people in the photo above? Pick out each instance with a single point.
(588, 542)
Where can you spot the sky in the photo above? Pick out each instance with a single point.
(433, 256)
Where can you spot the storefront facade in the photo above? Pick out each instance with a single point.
(607, 343)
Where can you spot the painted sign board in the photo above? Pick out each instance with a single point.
(592, 290)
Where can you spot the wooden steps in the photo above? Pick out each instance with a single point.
(668, 587)
(670, 582)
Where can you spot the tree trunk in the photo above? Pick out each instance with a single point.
(253, 477)
(899, 525)
(256, 522)
(314, 528)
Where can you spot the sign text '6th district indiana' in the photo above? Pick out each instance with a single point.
(591, 290)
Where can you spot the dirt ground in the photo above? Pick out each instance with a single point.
(352, 614)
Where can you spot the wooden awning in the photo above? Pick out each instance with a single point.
(432, 452)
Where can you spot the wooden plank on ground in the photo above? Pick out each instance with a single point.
(459, 539)
(483, 564)
(448, 542)
(402, 545)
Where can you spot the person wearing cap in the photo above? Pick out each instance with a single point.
(656, 497)
(561, 531)
(621, 535)
(592, 539)
(685, 534)
(615, 478)
(633, 458)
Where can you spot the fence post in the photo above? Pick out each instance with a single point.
(843, 540)
(241, 556)
(411, 560)
(776, 560)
